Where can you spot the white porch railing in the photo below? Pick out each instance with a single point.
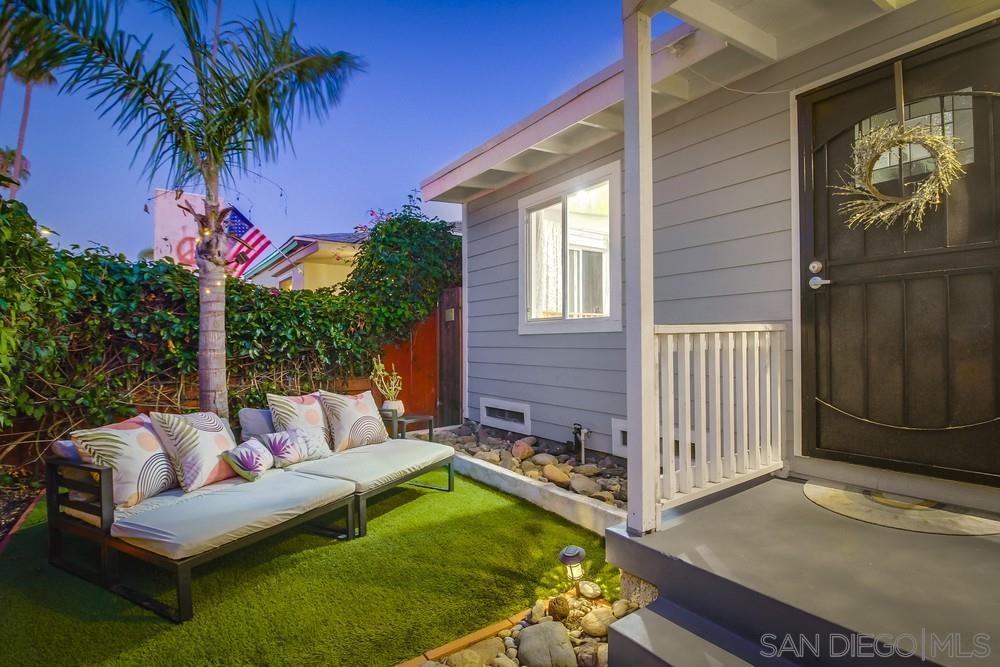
(721, 407)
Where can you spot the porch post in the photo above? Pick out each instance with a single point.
(641, 371)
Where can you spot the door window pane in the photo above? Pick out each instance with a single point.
(545, 262)
(588, 234)
(949, 115)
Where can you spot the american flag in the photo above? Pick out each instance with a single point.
(250, 245)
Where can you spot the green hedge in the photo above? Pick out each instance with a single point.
(86, 335)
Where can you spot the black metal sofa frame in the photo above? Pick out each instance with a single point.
(102, 508)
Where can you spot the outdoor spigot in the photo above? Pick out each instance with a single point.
(580, 441)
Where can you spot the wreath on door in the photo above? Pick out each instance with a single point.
(868, 206)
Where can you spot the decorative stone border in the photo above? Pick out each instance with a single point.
(585, 512)
(17, 524)
(438, 654)
(565, 629)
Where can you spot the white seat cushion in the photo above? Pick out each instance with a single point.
(178, 525)
(373, 466)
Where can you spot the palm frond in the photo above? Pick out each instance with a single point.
(7, 156)
(115, 69)
(263, 81)
(210, 112)
(188, 14)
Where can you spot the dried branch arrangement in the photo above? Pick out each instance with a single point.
(869, 207)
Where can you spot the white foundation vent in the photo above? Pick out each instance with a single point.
(510, 415)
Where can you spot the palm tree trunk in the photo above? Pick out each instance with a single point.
(3, 78)
(22, 131)
(5, 54)
(213, 394)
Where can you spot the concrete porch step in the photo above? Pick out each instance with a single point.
(663, 634)
(774, 569)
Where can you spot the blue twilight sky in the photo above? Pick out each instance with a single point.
(442, 77)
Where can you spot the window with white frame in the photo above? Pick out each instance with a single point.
(570, 255)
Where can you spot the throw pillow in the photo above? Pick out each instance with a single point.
(195, 443)
(285, 446)
(353, 420)
(289, 412)
(249, 460)
(314, 440)
(139, 463)
(296, 445)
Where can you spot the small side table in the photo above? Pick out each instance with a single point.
(399, 423)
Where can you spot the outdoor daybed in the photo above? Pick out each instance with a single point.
(373, 469)
(177, 530)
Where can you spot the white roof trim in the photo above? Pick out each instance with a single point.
(591, 111)
(592, 96)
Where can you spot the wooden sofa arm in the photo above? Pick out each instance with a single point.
(101, 506)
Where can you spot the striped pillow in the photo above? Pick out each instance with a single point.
(353, 420)
(195, 443)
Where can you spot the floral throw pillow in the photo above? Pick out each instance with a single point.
(249, 460)
(314, 440)
(289, 412)
(353, 420)
(296, 445)
(285, 447)
(195, 443)
(139, 463)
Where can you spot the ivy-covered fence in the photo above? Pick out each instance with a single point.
(87, 336)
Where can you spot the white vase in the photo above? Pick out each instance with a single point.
(396, 405)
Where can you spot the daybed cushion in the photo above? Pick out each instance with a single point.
(178, 525)
(373, 466)
(254, 422)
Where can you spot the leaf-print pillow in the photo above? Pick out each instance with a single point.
(287, 447)
(288, 412)
(353, 420)
(195, 443)
(315, 442)
(139, 463)
(249, 460)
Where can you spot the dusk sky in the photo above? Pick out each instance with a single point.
(442, 77)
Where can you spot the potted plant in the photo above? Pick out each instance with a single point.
(389, 384)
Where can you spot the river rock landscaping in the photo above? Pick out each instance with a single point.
(600, 476)
(565, 631)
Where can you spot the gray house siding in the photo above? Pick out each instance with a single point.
(723, 234)
(566, 378)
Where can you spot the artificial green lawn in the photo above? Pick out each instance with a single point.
(433, 567)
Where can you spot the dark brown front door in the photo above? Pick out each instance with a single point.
(900, 349)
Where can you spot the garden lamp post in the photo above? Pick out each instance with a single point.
(572, 559)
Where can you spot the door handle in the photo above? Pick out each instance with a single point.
(816, 282)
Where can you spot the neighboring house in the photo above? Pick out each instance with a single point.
(657, 243)
(308, 261)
